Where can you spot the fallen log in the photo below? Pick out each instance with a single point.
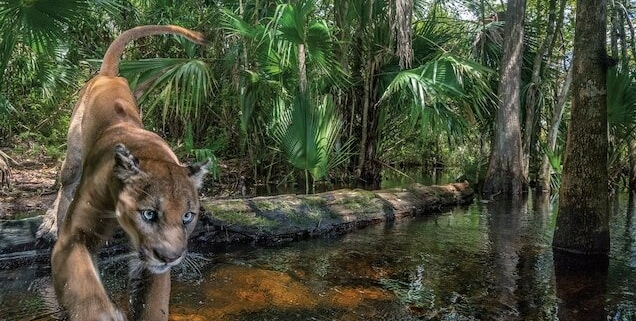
(266, 220)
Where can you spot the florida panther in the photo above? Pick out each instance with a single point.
(117, 174)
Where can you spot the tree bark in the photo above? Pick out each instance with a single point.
(583, 221)
(403, 15)
(302, 68)
(505, 169)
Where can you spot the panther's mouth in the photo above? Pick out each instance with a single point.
(156, 264)
(158, 268)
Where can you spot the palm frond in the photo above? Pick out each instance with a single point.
(436, 87)
(7, 44)
(309, 134)
(296, 132)
(621, 103)
(179, 85)
(293, 25)
(332, 152)
(488, 45)
(235, 25)
(41, 23)
(57, 74)
(288, 23)
(115, 7)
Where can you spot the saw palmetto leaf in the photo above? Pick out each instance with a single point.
(621, 102)
(436, 88)
(309, 134)
(177, 86)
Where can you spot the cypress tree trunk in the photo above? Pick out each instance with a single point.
(583, 220)
(505, 169)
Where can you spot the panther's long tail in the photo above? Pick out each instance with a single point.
(110, 65)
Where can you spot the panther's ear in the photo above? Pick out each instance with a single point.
(197, 172)
(126, 165)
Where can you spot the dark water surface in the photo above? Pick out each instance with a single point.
(487, 262)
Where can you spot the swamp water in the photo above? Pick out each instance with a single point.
(485, 262)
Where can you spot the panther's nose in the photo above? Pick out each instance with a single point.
(167, 256)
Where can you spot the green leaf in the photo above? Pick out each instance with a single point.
(41, 23)
(621, 102)
(309, 134)
(180, 86)
(437, 89)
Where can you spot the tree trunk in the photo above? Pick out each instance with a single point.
(367, 80)
(583, 222)
(505, 169)
(545, 171)
(532, 105)
(543, 183)
(302, 68)
(368, 169)
(403, 29)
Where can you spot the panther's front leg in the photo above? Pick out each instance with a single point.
(77, 283)
(149, 294)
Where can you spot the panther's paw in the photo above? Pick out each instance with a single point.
(47, 231)
(114, 315)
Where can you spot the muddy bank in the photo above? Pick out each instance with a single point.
(267, 220)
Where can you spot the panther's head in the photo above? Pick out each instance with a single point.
(158, 206)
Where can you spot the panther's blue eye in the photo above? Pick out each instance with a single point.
(149, 215)
(188, 217)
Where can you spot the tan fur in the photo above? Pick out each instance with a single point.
(114, 171)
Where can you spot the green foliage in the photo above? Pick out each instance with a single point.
(270, 87)
(441, 101)
(178, 87)
(36, 145)
(473, 170)
(621, 103)
(293, 25)
(555, 158)
(203, 154)
(436, 88)
(239, 96)
(621, 117)
(39, 70)
(310, 134)
(38, 24)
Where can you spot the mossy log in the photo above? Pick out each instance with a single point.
(273, 220)
(267, 220)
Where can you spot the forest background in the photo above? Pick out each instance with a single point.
(305, 91)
